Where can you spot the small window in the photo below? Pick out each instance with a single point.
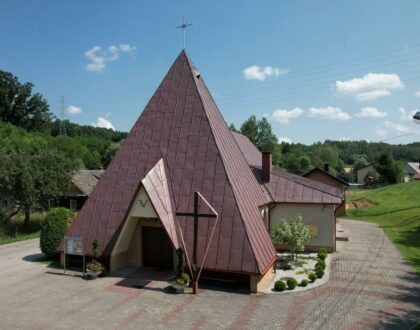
(51, 203)
(73, 204)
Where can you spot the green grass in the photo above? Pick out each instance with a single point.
(396, 209)
(22, 237)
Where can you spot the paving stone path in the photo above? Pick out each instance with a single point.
(371, 287)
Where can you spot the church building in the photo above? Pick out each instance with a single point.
(179, 145)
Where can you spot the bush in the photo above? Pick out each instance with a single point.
(323, 250)
(319, 272)
(312, 277)
(279, 286)
(322, 255)
(291, 283)
(53, 230)
(304, 282)
(321, 264)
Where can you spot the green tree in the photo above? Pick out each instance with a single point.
(232, 127)
(293, 233)
(261, 134)
(20, 107)
(250, 129)
(391, 169)
(30, 175)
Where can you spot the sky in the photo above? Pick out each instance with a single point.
(317, 70)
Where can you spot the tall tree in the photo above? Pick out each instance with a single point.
(20, 107)
(261, 134)
(389, 168)
(250, 129)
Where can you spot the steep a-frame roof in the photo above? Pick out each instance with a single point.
(182, 125)
(285, 187)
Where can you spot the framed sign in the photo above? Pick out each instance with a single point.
(76, 246)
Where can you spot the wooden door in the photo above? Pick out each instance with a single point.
(157, 248)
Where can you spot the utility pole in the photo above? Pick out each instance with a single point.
(62, 122)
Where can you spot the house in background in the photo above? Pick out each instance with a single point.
(324, 176)
(411, 171)
(181, 145)
(81, 186)
(367, 171)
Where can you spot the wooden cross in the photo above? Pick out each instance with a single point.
(196, 216)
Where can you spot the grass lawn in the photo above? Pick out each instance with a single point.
(396, 209)
(22, 237)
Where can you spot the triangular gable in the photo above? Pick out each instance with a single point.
(182, 125)
(156, 185)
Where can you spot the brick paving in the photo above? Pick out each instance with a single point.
(371, 287)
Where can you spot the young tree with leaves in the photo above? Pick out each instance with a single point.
(293, 233)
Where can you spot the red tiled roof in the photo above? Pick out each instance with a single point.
(182, 125)
(323, 172)
(285, 187)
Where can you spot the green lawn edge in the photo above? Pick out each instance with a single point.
(18, 238)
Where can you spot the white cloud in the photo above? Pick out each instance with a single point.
(73, 110)
(417, 94)
(255, 72)
(398, 127)
(284, 139)
(104, 123)
(332, 113)
(283, 116)
(407, 115)
(382, 132)
(370, 112)
(369, 87)
(98, 58)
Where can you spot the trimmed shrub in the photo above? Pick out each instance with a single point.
(279, 286)
(291, 283)
(53, 230)
(321, 264)
(323, 250)
(312, 277)
(304, 282)
(319, 272)
(322, 255)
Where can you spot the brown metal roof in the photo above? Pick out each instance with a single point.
(182, 125)
(285, 187)
(157, 188)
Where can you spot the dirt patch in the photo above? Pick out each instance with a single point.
(359, 204)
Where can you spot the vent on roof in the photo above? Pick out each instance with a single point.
(196, 73)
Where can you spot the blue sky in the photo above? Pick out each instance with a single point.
(317, 69)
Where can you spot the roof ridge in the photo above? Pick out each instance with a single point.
(227, 171)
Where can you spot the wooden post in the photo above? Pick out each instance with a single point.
(195, 282)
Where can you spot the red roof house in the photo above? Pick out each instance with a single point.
(181, 144)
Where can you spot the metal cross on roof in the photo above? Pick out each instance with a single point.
(183, 26)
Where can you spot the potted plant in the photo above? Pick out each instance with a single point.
(181, 280)
(94, 268)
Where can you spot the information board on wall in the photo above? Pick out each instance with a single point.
(74, 245)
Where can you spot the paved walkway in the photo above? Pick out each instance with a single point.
(371, 287)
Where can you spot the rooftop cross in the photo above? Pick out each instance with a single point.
(183, 26)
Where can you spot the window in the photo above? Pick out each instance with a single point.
(4, 203)
(73, 204)
(51, 203)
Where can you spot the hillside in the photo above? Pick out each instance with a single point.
(396, 209)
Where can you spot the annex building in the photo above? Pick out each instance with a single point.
(181, 144)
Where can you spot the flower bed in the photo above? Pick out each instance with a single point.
(308, 271)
